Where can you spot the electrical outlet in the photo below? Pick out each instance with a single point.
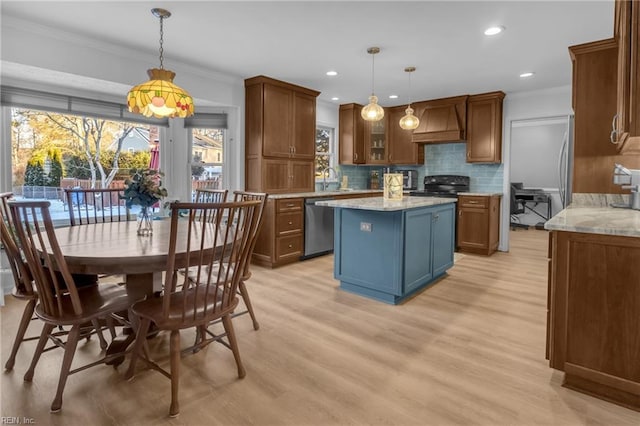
(365, 226)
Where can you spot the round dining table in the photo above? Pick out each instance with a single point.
(115, 248)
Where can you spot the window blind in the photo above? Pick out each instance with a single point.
(65, 104)
(206, 121)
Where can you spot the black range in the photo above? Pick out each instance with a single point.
(443, 186)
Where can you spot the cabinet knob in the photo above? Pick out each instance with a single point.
(290, 245)
(460, 213)
(472, 202)
(355, 157)
(436, 217)
(290, 223)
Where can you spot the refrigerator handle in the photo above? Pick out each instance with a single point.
(562, 171)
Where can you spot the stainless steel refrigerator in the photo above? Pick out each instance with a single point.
(565, 164)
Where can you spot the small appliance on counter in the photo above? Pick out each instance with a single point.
(409, 179)
(628, 179)
(443, 186)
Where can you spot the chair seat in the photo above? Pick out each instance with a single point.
(152, 309)
(97, 301)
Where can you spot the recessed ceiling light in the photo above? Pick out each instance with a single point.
(393, 96)
(494, 30)
(335, 98)
(332, 73)
(527, 74)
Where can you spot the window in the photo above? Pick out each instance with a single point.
(51, 151)
(324, 151)
(207, 153)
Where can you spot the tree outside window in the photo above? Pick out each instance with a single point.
(324, 150)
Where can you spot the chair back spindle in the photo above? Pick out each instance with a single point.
(96, 205)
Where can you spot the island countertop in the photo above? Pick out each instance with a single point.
(322, 193)
(596, 220)
(380, 204)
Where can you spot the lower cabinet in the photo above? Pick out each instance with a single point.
(390, 255)
(281, 239)
(593, 330)
(478, 223)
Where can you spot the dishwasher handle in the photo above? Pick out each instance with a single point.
(312, 201)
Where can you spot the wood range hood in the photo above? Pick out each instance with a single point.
(441, 120)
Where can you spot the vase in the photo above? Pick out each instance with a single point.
(145, 222)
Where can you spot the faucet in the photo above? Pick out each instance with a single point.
(326, 172)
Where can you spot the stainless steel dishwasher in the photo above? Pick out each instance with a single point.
(318, 228)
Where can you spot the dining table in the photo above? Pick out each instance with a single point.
(116, 248)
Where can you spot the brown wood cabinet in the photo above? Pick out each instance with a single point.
(376, 141)
(280, 127)
(625, 132)
(281, 239)
(594, 103)
(484, 128)
(351, 130)
(478, 224)
(594, 305)
(402, 150)
(441, 120)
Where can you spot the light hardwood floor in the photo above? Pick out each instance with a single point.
(468, 350)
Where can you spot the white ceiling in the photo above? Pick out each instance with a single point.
(298, 41)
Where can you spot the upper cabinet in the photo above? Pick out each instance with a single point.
(402, 150)
(351, 139)
(441, 120)
(375, 141)
(625, 132)
(280, 128)
(484, 128)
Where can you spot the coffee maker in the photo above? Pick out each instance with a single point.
(409, 179)
(628, 179)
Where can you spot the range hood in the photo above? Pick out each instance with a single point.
(441, 120)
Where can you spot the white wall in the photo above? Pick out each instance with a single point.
(522, 106)
(45, 58)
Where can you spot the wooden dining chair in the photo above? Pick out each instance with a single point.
(96, 206)
(23, 288)
(209, 195)
(242, 288)
(60, 301)
(218, 251)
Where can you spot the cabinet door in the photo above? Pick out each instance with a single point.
(484, 128)
(304, 126)
(472, 228)
(402, 150)
(443, 239)
(626, 122)
(302, 176)
(276, 176)
(418, 248)
(375, 141)
(278, 123)
(351, 130)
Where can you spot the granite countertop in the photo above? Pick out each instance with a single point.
(322, 193)
(380, 204)
(481, 194)
(596, 220)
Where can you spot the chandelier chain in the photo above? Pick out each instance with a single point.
(373, 61)
(161, 41)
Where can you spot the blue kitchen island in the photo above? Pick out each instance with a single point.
(389, 250)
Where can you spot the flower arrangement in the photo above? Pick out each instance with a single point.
(143, 188)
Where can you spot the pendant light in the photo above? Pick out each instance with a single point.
(373, 111)
(409, 121)
(159, 97)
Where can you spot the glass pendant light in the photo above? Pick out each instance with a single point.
(373, 111)
(409, 121)
(159, 97)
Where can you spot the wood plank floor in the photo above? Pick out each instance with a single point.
(468, 350)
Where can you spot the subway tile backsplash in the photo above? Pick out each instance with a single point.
(440, 159)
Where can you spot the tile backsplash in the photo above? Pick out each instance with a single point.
(440, 159)
(450, 159)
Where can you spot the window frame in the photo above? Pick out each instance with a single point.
(331, 154)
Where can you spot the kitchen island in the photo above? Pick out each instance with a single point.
(593, 332)
(389, 250)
